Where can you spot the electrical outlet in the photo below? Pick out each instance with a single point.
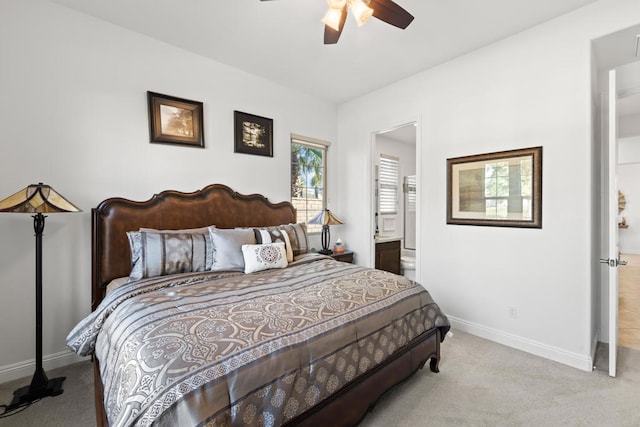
(513, 312)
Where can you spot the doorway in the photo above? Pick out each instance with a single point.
(629, 211)
(617, 61)
(394, 204)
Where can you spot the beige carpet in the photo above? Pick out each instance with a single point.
(480, 384)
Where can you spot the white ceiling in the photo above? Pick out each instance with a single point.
(282, 40)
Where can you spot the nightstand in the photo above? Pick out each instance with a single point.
(346, 256)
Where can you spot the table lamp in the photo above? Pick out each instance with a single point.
(38, 199)
(326, 218)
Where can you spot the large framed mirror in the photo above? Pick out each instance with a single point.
(502, 189)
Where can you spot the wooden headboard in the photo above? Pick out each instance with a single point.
(216, 205)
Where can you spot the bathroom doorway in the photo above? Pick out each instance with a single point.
(395, 196)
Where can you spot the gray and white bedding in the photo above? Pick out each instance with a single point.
(226, 348)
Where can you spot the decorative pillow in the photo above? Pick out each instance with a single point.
(161, 254)
(297, 234)
(264, 257)
(227, 244)
(272, 236)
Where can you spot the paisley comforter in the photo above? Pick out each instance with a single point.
(227, 348)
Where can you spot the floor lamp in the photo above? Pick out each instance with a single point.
(38, 199)
(326, 218)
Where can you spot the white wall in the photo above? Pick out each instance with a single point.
(528, 90)
(629, 148)
(629, 126)
(74, 115)
(629, 185)
(629, 160)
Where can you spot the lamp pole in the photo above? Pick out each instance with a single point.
(39, 377)
(40, 385)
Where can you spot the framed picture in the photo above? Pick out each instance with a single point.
(253, 134)
(497, 189)
(175, 120)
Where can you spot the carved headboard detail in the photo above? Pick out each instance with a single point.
(216, 205)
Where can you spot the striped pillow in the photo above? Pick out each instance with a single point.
(297, 234)
(274, 236)
(162, 254)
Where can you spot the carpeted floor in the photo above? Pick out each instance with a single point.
(480, 383)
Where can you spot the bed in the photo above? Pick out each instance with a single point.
(315, 342)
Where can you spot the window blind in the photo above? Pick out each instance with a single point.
(388, 184)
(410, 190)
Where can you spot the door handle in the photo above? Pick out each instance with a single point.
(613, 262)
(610, 262)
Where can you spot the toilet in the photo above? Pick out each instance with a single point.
(408, 265)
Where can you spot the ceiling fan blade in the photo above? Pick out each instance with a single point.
(332, 36)
(391, 13)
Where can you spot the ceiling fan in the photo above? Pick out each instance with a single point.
(362, 10)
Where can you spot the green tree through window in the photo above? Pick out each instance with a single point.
(308, 180)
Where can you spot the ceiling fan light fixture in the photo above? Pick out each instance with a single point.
(385, 10)
(361, 12)
(332, 18)
(337, 4)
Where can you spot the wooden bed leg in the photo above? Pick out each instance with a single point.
(435, 360)
(434, 364)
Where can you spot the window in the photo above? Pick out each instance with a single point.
(308, 178)
(388, 173)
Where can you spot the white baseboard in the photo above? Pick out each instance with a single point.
(26, 368)
(556, 354)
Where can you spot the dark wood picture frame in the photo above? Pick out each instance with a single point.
(502, 189)
(175, 120)
(253, 134)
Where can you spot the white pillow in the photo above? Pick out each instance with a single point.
(264, 257)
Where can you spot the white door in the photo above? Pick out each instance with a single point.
(612, 260)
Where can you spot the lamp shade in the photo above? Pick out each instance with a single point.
(332, 18)
(37, 198)
(361, 12)
(325, 217)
